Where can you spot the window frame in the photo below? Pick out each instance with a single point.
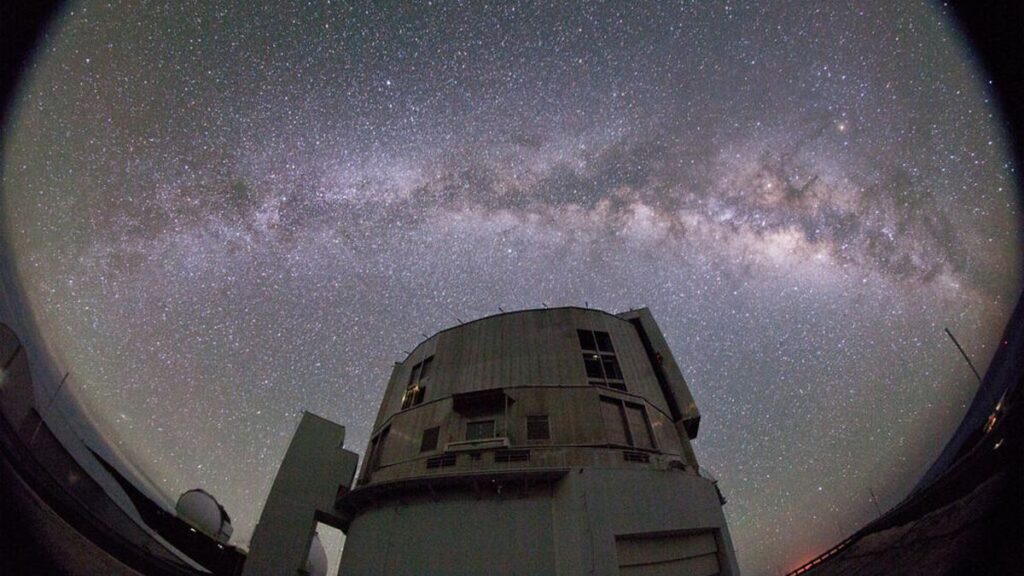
(536, 418)
(436, 430)
(601, 357)
(416, 387)
(491, 421)
(624, 407)
(644, 425)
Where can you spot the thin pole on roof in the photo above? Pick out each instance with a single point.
(964, 354)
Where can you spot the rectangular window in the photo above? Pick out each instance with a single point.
(599, 359)
(615, 422)
(417, 386)
(537, 428)
(593, 364)
(639, 426)
(429, 441)
(611, 367)
(480, 430)
(627, 424)
(587, 341)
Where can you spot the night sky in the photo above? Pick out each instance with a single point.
(222, 216)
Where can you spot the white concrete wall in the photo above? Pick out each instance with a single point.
(566, 530)
(453, 538)
(304, 491)
(592, 506)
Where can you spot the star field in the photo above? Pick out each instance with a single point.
(223, 215)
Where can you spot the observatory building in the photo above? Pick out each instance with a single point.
(554, 441)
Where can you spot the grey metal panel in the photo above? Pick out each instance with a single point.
(595, 506)
(588, 421)
(699, 566)
(663, 548)
(477, 351)
(539, 365)
(668, 439)
(537, 348)
(501, 537)
(614, 419)
(476, 343)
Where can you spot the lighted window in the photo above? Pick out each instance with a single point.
(537, 428)
(416, 388)
(480, 430)
(599, 359)
(429, 441)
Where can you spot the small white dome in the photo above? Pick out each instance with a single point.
(316, 562)
(204, 513)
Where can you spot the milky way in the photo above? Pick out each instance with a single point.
(222, 216)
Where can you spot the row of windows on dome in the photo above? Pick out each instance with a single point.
(625, 424)
(537, 428)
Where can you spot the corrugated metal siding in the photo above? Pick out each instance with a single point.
(535, 356)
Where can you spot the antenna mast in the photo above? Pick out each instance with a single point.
(964, 354)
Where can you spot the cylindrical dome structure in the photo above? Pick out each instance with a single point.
(204, 513)
(504, 439)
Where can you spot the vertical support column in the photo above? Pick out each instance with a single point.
(304, 491)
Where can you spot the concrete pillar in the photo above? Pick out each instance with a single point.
(314, 468)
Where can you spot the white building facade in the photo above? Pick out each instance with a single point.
(553, 441)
